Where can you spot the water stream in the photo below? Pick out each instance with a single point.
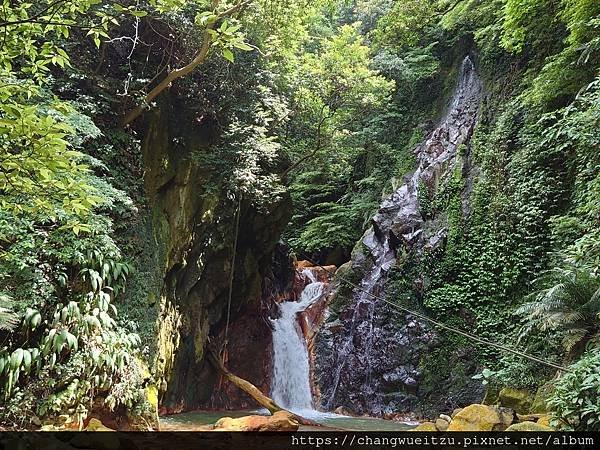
(203, 420)
(291, 370)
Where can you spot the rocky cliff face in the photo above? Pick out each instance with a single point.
(368, 352)
(193, 230)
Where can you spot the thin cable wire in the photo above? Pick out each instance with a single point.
(442, 325)
(231, 272)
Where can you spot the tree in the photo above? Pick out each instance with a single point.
(405, 23)
(329, 87)
(40, 168)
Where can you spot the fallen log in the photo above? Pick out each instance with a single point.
(251, 390)
(244, 385)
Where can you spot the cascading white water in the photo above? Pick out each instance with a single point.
(291, 373)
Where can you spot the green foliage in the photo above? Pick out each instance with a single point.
(336, 225)
(575, 402)
(39, 164)
(581, 19)
(44, 162)
(60, 269)
(528, 20)
(406, 23)
(337, 137)
(572, 130)
(564, 69)
(571, 304)
(69, 345)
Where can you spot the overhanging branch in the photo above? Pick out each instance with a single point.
(199, 58)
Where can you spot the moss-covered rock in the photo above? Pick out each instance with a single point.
(97, 425)
(538, 405)
(516, 399)
(482, 418)
(528, 417)
(528, 426)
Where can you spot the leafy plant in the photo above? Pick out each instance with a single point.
(575, 402)
(486, 376)
(571, 305)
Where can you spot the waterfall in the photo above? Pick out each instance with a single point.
(291, 372)
(355, 373)
(365, 306)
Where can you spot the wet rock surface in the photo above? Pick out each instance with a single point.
(367, 355)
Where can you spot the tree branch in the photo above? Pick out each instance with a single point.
(244, 385)
(33, 18)
(198, 59)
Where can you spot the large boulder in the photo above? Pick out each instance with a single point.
(482, 418)
(516, 399)
(280, 421)
(528, 426)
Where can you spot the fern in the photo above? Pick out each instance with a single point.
(571, 304)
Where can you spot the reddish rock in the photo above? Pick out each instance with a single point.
(250, 335)
(280, 421)
(303, 264)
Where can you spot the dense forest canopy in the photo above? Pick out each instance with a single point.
(321, 102)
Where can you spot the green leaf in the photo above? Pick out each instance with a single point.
(228, 55)
(16, 359)
(242, 46)
(26, 360)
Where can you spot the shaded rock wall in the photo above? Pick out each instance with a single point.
(194, 229)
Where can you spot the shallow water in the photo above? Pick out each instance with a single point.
(201, 421)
